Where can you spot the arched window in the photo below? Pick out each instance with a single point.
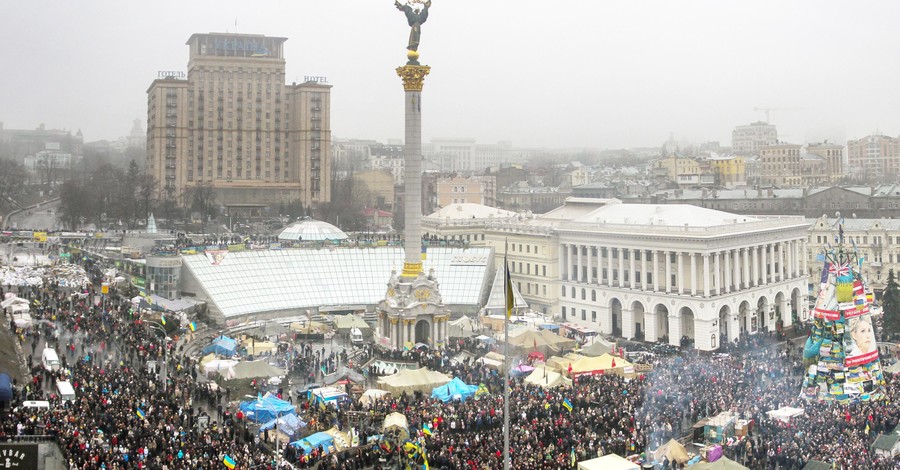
(593, 296)
(583, 294)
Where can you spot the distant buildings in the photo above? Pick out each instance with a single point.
(750, 139)
(17, 144)
(468, 189)
(780, 165)
(232, 123)
(874, 157)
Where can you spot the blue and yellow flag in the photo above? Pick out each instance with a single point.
(140, 414)
(426, 428)
(192, 326)
(508, 288)
(229, 462)
(567, 404)
(162, 319)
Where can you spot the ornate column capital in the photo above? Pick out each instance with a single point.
(413, 76)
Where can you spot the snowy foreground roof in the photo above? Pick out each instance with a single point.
(677, 215)
(252, 282)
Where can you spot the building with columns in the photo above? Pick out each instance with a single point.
(657, 272)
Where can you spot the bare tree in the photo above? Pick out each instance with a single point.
(202, 198)
(12, 181)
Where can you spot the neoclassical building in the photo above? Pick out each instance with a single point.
(667, 271)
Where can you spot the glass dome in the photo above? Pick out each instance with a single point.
(312, 230)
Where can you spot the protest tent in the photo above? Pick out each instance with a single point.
(314, 441)
(344, 323)
(672, 450)
(217, 365)
(288, 424)
(223, 346)
(601, 365)
(785, 413)
(463, 327)
(372, 394)
(492, 360)
(608, 462)
(266, 408)
(532, 340)
(456, 389)
(723, 463)
(396, 425)
(252, 370)
(598, 348)
(412, 380)
(254, 347)
(546, 378)
(16, 305)
(344, 375)
(562, 363)
(521, 369)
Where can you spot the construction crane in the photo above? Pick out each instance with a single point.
(769, 110)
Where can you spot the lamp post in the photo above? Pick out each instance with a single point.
(163, 371)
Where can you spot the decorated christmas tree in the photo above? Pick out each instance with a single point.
(841, 351)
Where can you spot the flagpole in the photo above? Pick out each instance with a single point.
(507, 285)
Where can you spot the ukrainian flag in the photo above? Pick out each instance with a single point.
(140, 414)
(567, 404)
(162, 319)
(192, 326)
(424, 252)
(229, 462)
(426, 429)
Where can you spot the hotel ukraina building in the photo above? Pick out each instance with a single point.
(654, 272)
(231, 122)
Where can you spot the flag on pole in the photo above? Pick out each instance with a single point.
(192, 326)
(572, 460)
(510, 300)
(426, 429)
(140, 414)
(162, 318)
(567, 404)
(229, 462)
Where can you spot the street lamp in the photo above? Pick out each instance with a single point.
(163, 371)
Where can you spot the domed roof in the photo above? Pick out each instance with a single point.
(311, 230)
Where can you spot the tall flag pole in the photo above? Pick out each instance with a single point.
(510, 302)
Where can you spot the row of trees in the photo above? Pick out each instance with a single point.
(12, 182)
(108, 196)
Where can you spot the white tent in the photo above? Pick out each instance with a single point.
(16, 305)
(251, 370)
(463, 327)
(547, 378)
(608, 462)
(372, 394)
(785, 413)
(411, 380)
(218, 364)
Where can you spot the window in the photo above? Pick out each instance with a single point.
(583, 294)
(563, 291)
(583, 317)
(573, 292)
(594, 316)
(563, 314)
(593, 295)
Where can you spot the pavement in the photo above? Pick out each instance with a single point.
(41, 216)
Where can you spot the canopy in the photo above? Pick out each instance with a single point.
(608, 462)
(463, 327)
(254, 347)
(673, 450)
(267, 329)
(314, 441)
(492, 360)
(411, 380)
(598, 365)
(456, 389)
(543, 341)
(223, 346)
(785, 413)
(521, 369)
(546, 378)
(598, 348)
(207, 358)
(310, 327)
(344, 374)
(344, 323)
(15, 304)
(288, 424)
(397, 425)
(252, 370)
(561, 363)
(266, 408)
(372, 394)
(218, 364)
(723, 463)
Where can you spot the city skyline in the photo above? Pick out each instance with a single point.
(620, 75)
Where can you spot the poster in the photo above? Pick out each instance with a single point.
(859, 341)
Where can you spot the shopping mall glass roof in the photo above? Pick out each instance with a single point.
(252, 282)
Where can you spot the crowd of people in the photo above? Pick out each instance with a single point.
(122, 418)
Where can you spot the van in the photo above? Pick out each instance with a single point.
(50, 359)
(356, 336)
(66, 392)
(37, 404)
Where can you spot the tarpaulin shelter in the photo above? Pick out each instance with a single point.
(547, 378)
(532, 340)
(344, 323)
(255, 347)
(561, 363)
(253, 370)
(314, 441)
(785, 413)
(672, 450)
(6, 393)
(463, 327)
(344, 375)
(600, 365)
(492, 360)
(521, 369)
(372, 394)
(217, 365)
(223, 346)
(412, 380)
(723, 463)
(456, 389)
(598, 348)
(608, 462)
(288, 424)
(396, 425)
(266, 408)
(16, 305)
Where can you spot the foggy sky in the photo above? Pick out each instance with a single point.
(581, 73)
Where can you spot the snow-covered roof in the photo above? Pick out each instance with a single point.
(662, 215)
(575, 207)
(312, 230)
(470, 210)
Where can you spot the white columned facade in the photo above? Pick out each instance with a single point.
(609, 267)
(729, 274)
(754, 281)
(693, 273)
(717, 274)
(631, 261)
(679, 276)
(656, 269)
(621, 253)
(644, 285)
(706, 273)
(578, 275)
(668, 280)
(563, 261)
(745, 280)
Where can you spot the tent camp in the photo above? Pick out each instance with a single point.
(547, 378)
(492, 360)
(520, 370)
(598, 348)
(223, 346)
(463, 327)
(723, 463)
(217, 365)
(288, 424)
(456, 389)
(608, 462)
(396, 426)
(16, 305)
(344, 375)
(602, 365)
(785, 413)
(893, 368)
(314, 441)
(252, 370)
(266, 408)
(372, 394)
(256, 347)
(672, 450)
(540, 340)
(561, 363)
(412, 380)
(344, 323)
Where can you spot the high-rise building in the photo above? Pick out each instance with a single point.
(232, 123)
(874, 156)
(748, 140)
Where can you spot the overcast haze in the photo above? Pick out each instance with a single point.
(538, 73)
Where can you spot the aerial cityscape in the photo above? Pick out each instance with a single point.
(666, 238)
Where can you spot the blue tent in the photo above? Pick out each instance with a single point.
(223, 346)
(456, 389)
(265, 409)
(313, 441)
(288, 424)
